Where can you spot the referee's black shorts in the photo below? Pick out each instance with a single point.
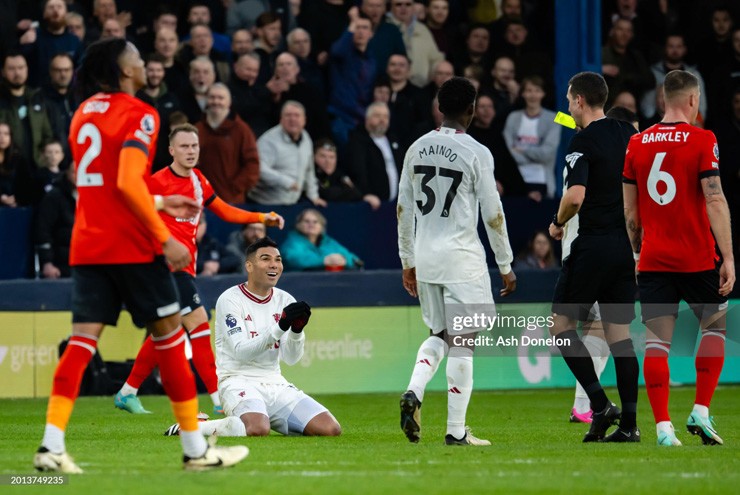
(147, 289)
(600, 268)
(661, 292)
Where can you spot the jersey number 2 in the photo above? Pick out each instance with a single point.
(428, 172)
(656, 176)
(85, 179)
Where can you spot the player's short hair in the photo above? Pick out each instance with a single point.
(679, 81)
(99, 70)
(456, 96)
(182, 128)
(591, 86)
(256, 245)
(623, 114)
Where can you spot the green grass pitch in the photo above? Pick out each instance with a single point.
(535, 450)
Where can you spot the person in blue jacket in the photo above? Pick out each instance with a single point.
(308, 247)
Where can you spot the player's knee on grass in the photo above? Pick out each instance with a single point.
(323, 425)
(256, 424)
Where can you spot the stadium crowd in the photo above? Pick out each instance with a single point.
(318, 100)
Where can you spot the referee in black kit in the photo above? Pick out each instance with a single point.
(600, 267)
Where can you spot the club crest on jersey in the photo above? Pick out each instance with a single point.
(147, 124)
(231, 321)
(277, 317)
(715, 150)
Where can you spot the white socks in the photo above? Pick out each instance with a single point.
(599, 350)
(53, 439)
(193, 443)
(665, 426)
(128, 390)
(431, 352)
(702, 411)
(230, 426)
(215, 398)
(459, 388)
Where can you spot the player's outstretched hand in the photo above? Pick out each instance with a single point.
(295, 316)
(509, 283)
(177, 255)
(180, 206)
(272, 219)
(726, 277)
(409, 281)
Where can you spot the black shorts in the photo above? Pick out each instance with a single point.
(189, 297)
(147, 289)
(600, 269)
(660, 293)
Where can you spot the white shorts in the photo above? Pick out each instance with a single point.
(436, 300)
(288, 408)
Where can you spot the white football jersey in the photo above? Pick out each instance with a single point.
(447, 175)
(249, 342)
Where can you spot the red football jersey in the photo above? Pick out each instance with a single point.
(166, 182)
(106, 231)
(667, 162)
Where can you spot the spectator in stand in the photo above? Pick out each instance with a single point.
(386, 39)
(309, 247)
(446, 34)
(165, 17)
(539, 254)
(510, 9)
(59, 98)
(287, 84)
(200, 14)
(674, 53)
(716, 49)
(228, 149)
(352, 74)
(49, 170)
(299, 44)
(175, 74)
(509, 181)
(76, 25)
(251, 101)
(628, 9)
(241, 42)
(158, 95)
(269, 37)
(51, 38)
(505, 90)
(374, 159)
(240, 240)
(627, 100)
(325, 20)
(406, 104)
(421, 48)
(53, 227)
(112, 28)
(244, 14)
(532, 138)
(659, 110)
(200, 44)
(15, 178)
(624, 68)
(475, 52)
(725, 79)
(213, 258)
(286, 161)
(102, 11)
(193, 100)
(441, 72)
(24, 109)
(334, 185)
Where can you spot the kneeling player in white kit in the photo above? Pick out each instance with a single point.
(257, 325)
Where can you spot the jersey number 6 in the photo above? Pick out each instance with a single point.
(656, 176)
(428, 172)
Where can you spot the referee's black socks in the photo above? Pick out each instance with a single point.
(628, 372)
(579, 361)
